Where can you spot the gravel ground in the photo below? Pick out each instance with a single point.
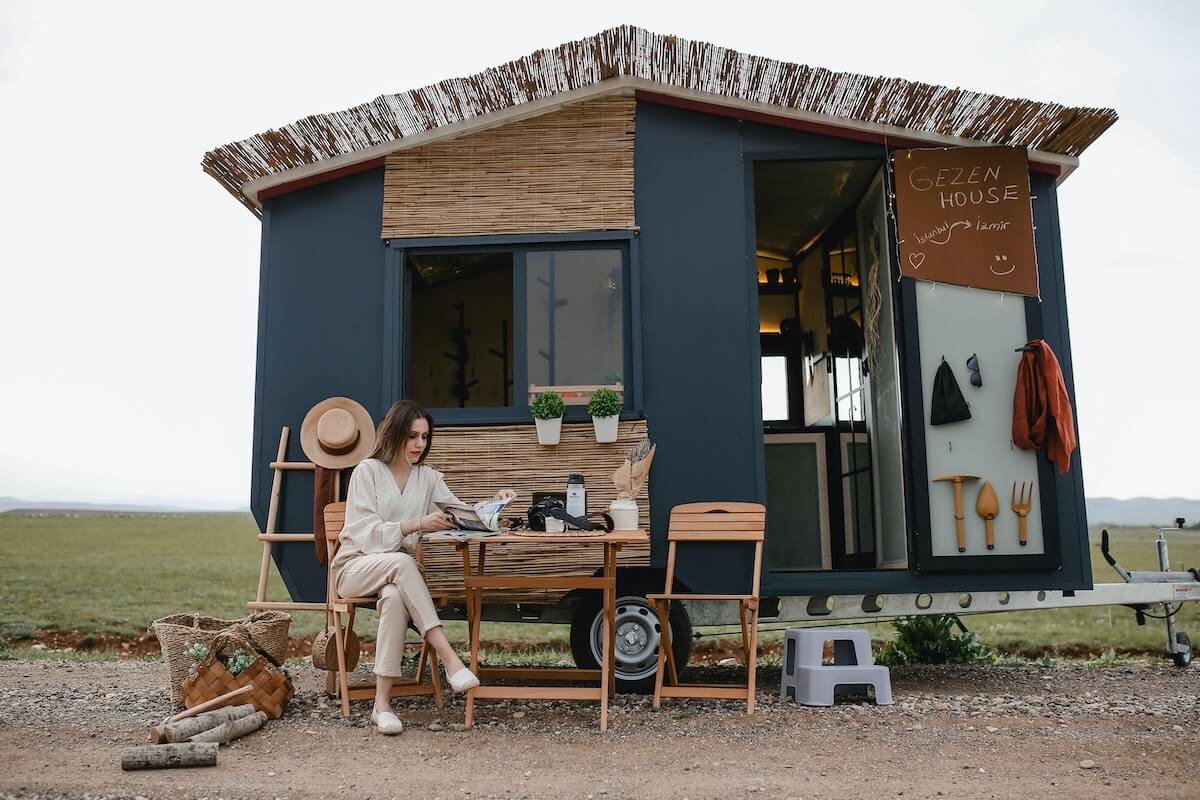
(959, 732)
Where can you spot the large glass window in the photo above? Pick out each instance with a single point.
(484, 325)
(575, 317)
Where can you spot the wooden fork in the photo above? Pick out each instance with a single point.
(1022, 509)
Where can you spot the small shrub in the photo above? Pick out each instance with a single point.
(1108, 658)
(933, 640)
(604, 403)
(4, 654)
(547, 405)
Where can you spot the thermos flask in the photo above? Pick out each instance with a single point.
(576, 496)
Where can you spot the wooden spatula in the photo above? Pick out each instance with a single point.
(988, 506)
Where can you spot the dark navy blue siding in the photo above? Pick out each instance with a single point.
(699, 316)
(1068, 489)
(320, 334)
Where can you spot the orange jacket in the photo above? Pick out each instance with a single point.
(1041, 407)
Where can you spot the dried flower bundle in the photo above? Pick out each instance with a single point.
(633, 472)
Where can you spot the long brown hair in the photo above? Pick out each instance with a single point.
(395, 428)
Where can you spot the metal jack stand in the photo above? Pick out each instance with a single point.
(1179, 644)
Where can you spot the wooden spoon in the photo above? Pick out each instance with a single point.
(988, 506)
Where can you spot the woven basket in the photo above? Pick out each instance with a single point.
(272, 689)
(268, 631)
(324, 650)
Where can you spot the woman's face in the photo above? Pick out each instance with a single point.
(418, 438)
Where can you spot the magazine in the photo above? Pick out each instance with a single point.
(483, 516)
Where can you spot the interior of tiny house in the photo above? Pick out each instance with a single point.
(830, 382)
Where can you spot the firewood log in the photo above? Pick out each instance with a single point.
(187, 728)
(226, 732)
(216, 702)
(162, 756)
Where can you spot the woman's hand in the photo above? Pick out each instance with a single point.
(505, 494)
(437, 521)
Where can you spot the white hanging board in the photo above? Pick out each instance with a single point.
(957, 322)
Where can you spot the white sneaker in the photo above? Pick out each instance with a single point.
(463, 680)
(387, 722)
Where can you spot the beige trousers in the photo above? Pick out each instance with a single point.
(403, 596)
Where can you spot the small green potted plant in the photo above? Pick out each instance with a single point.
(547, 410)
(605, 408)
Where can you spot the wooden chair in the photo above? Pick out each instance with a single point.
(335, 520)
(711, 522)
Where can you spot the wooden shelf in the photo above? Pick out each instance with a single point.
(765, 289)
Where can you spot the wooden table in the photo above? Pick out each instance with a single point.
(475, 581)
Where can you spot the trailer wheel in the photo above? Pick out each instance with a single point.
(638, 638)
(1184, 657)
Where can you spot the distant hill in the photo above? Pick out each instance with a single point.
(1144, 511)
(1148, 511)
(11, 503)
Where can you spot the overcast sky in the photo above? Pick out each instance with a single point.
(129, 278)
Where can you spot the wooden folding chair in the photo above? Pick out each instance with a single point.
(335, 605)
(711, 522)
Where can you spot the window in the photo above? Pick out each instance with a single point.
(483, 323)
(575, 302)
(774, 388)
(460, 334)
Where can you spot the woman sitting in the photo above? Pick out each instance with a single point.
(390, 502)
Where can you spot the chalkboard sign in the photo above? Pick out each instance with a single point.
(964, 217)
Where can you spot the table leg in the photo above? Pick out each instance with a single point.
(465, 549)
(611, 565)
(479, 568)
(607, 677)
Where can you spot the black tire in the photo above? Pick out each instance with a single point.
(636, 663)
(1183, 659)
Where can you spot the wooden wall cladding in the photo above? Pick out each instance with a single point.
(568, 170)
(478, 461)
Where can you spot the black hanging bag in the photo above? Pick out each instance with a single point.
(948, 404)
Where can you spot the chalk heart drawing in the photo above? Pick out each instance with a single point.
(915, 260)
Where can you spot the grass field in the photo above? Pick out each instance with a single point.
(103, 573)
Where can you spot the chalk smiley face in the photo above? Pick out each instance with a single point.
(1005, 266)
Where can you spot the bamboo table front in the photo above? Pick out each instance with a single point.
(475, 581)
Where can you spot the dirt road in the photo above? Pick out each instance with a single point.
(979, 732)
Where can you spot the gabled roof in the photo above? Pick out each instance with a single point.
(628, 59)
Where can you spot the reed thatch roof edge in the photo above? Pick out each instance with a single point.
(628, 58)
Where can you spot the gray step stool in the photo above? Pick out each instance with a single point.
(808, 682)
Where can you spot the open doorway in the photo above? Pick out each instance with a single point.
(830, 383)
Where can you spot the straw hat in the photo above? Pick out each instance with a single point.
(337, 433)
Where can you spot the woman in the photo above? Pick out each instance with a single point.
(389, 504)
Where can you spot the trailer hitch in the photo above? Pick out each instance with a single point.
(1179, 646)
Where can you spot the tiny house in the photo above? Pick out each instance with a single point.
(725, 236)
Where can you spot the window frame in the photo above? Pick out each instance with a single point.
(397, 295)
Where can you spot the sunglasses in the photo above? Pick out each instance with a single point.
(973, 368)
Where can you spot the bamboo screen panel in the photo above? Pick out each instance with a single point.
(568, 170)
(478, 461)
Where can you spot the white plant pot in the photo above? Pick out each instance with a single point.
(606, 428)
(624, 514)
(549, 430)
